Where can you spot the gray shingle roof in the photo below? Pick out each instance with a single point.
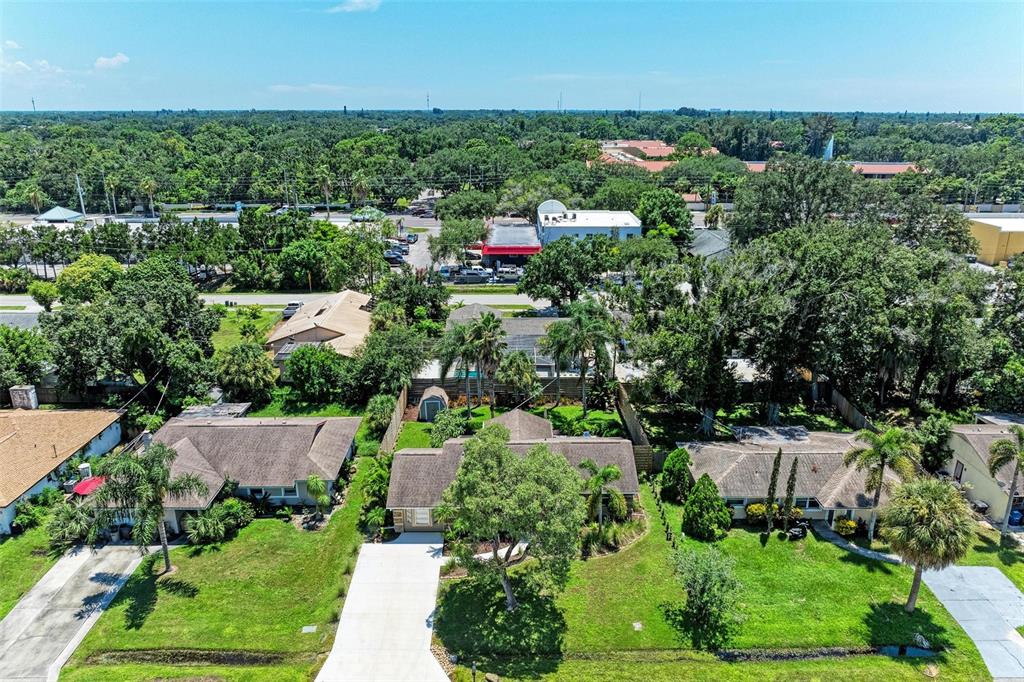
(524, 426)
(710, 243)
(743, 469)
(257, 452)
(419, 477)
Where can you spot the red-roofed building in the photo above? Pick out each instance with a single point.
(878, 170)
(88, 486)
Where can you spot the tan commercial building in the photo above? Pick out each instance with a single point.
(1000, 237)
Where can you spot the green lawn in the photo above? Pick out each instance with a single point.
(470, 289)
(417, 230)
(413, 435)
(283, 405)
(795, 595)
(230, 333)
(199, 673)
(252, 594)
(23, 561)
(12, 307)
(566, 419)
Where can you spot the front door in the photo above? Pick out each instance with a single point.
(831, 516)
(958, 471)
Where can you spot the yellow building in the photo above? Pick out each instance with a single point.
(1000, 237)
(968, 465)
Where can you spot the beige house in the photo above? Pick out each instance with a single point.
(419, 477)
(826, 488)
(35, 446)
(265, 457)
(1000, 236)
(968, 465)
(341, 320)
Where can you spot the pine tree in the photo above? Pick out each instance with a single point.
(787, 507)
(769, 503)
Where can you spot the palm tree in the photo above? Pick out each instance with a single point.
(598, 484)
(324, 180)
(591, 334)
(316, 488)
(148, 187)
(557, 343)
(360, 186)
(137, 485)
(895, 449)
(1005, 451)
(518, 371)
(35, 197)
(457, 348)
(928, 523)
(489, 340)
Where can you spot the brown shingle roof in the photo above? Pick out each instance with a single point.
(524, 426)
(419, 477)
(433, 391)
(35, 442)
(979, 438)
(342, 314)
(743, 469)
(257, 452)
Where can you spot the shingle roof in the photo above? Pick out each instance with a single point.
(59, 214)
(710, 243)
(342, 314)
(35, 442)
(419, 477)
(522, 425)
(521, 333)
(743, 469)
(257, 452)
(978, 438)
(433, 391)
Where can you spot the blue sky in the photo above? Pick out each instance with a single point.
(886, 56)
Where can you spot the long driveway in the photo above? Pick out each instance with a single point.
(989, 608)
(50, 621)
(386, 624)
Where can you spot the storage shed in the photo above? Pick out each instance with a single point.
(433, 401)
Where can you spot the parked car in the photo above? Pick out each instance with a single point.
(291, 309)
(393, 257)
(448, 271)
(412, 238)
(396, 245)
(486, 272)
(471, 277)
(509, 273)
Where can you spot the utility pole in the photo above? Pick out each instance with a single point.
(81, 197)
(428, 100)
(106, 197)
(33, 105)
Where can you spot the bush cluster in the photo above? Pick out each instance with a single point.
(846, 527)
(378, 413)
(756, 513)
(219, 522)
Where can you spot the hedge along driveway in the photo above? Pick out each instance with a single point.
(253, 593)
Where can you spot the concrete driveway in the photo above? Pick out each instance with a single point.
(43, 629)
(989, 608)
(386, 624)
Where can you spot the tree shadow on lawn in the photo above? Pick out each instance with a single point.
(889, 624)
(1006, 551)
(141, 593)
(472, 622)
(868, 564)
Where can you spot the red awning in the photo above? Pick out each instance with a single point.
(510, 250)
(87, 486)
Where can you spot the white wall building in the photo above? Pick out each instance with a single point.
(554, 221)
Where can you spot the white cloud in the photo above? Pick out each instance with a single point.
(355, 6)
(11, 45)
(287, 88)
(118, 60)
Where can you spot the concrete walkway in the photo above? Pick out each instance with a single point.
(822, 529)
(387, 622)
(989, 608)
(46, 626)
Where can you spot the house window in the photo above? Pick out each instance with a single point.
(734, 501)
(421, 517)
(958, 471)
(256, 492)
(812, 503)
(288, 492)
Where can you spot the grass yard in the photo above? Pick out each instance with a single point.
(471, 289)
(283, 406)
(204, 673)
(230, 332)
(23, 561)
(413, 435)
(800, 595)
(417, 230)
(12, 307)
(250, 595)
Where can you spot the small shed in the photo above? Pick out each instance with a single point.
(433, 401)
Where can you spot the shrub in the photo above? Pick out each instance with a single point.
(705, 515)
(48, 497)
(712, 591)
(675, 476)
(378, 413)
(846, 527)
(69, 524)
(14, 281)
(283, 513)
(756, 512)
(447, 424)
(237, 513)
(28, 515)
(617, 506)
(207, 526)
(316, 373)
(43, 293)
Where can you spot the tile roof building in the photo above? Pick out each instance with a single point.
(36, 444)
(420, 476)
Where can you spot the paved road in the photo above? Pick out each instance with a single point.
(46, 626)
(989, 608)
(386, 624)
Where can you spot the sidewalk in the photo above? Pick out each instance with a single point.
(822, 529)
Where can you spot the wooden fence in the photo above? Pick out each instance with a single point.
(851, 415)
(571, 388)
(643, 452)
(387, 443)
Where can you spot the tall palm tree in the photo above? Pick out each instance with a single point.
(360, 186)
(148, 187)
(598, 484)
(35, 197)
(557, 344)
(1005, 451)
(895, 449)
(316, 487)
(591, 334)
(928, 523)
(324, 180)
(489, 339)
(518, 371)
(137, 485)
(457, 348)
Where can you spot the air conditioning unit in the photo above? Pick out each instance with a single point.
(24, 397)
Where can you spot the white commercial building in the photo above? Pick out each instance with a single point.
(554, 221)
